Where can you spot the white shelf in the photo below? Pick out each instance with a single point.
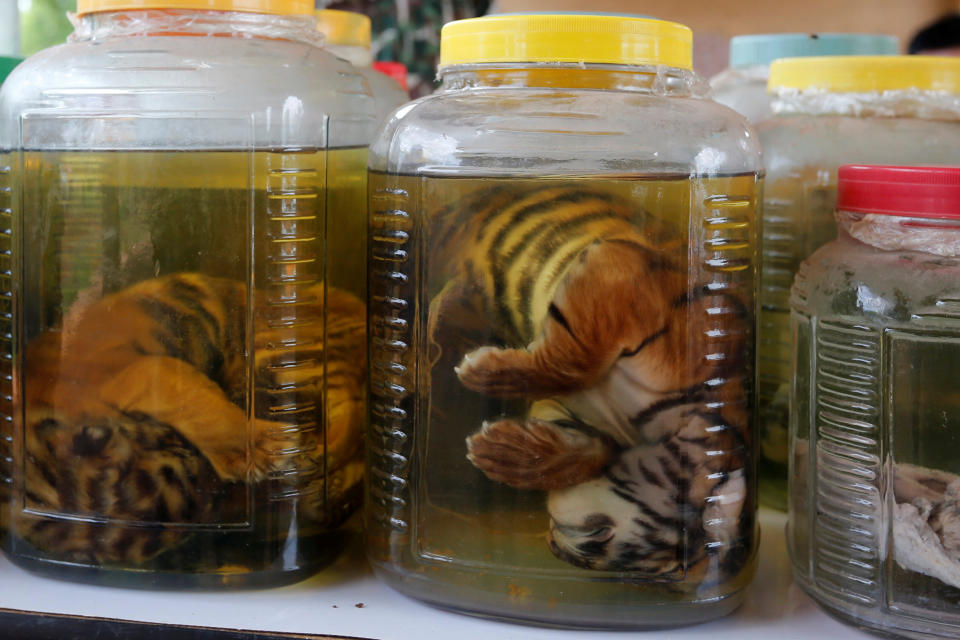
(327, 605)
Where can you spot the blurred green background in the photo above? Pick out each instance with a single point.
(43, 23)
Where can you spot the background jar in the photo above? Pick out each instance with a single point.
(347, 36)
(874, 419)
(495, 205)
(184, 289)
(827, 112)
(743, 85)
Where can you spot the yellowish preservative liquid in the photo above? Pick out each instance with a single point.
(563, 258)
(797, 219)
(193, 331)
(831, 110)
(450, 523)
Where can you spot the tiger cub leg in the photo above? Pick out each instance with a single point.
(538, 453)
(172, 391)
(617, 298)
(724, 506)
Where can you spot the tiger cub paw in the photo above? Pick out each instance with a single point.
(275, 448)
(723, 509)
(280, 448)
(497, 372)
(536, 454)
(231, 465)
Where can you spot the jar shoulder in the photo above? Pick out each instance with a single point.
(275, 84)
(849, 278)
(567, 131)
(792, 141)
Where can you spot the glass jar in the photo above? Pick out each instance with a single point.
(828, 112)
(875, 410)
(561, 305)
(182, 296)
(743, 85)
(347, 35)
(395, 70)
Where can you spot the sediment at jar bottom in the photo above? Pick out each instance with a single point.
(600, 377)
(534, 600)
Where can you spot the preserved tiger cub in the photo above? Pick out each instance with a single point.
(136, 413)
(637, 426)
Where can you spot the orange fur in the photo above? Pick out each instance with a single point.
(617, 296)
(537, 454)
(634, 366)
(142, 403)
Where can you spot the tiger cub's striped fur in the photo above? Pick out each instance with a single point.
(136, 413)
(638, 425)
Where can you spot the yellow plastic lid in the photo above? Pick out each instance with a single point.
(278, 7)
(855, 74)
(588, 38)
(344, 28)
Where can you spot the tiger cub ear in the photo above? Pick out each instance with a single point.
(613, 300)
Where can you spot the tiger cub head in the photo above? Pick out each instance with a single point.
(587, 525)
(616, 523)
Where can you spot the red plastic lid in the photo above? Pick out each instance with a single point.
(922, 192)
(396, 70)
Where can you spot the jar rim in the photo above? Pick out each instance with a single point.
(344, 28)
(917, 192)
(277, 7)
(865, 74)
(764, 48)
(580, 38)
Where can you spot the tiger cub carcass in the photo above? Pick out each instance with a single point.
(138, 415)
(637, 424)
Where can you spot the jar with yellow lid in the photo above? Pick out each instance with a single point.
(347, 36)
(182, 296)
(561, 307)
(829, 111)
(743, 85)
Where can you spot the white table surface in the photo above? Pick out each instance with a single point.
(775, 608)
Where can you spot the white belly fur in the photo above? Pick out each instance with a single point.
(609, 405)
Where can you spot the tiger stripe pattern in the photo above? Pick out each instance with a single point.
(136, 414)
(638, 427)
(518, 249)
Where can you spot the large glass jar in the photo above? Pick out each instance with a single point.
(347, 35)
(875, 405)
(183, 277)
(561, 304)
(742, 86)
(828, 112)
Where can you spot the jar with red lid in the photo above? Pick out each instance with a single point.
(874, 502)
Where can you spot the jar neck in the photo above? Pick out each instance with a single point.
(179, 22)
(643, 79)
(901, 103)
(354, 54)
(935, 236)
